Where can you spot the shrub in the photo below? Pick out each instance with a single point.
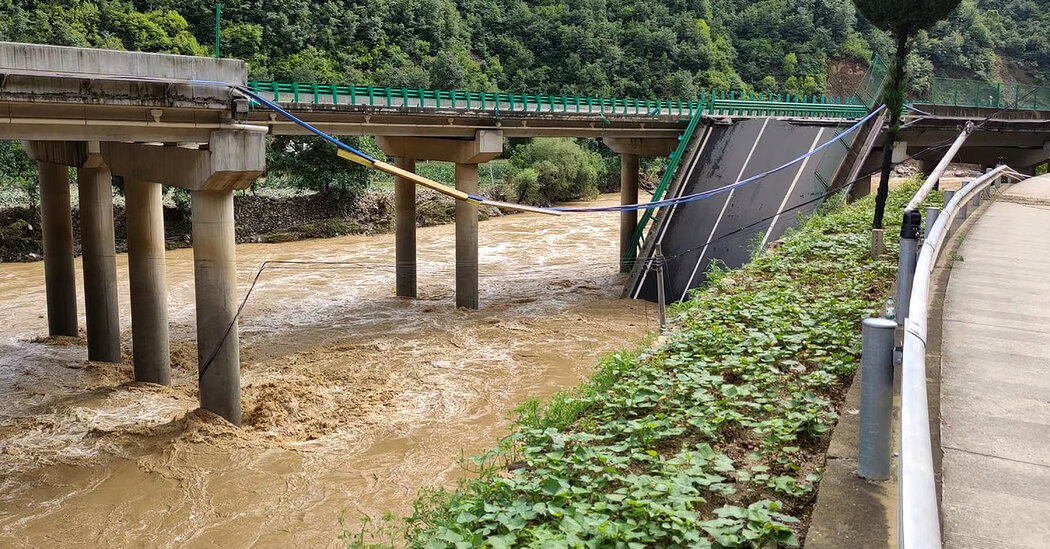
(555, 170)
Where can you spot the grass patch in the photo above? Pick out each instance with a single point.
(711, 436)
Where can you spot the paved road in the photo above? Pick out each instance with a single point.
(995, 378)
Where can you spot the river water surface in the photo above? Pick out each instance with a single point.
(353, 399)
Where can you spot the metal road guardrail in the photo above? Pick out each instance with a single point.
(714, 103)
(919, 519)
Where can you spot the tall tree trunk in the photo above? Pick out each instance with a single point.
(893, 97)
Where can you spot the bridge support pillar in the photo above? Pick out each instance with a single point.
(95, 186)
(466, 154)
(900, 152)
(57, 227)
(630, 149)
(467, 238)
(215, 282)
(405, 235)
(148, 281)
(628, 195)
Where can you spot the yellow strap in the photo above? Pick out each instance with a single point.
(443, 189)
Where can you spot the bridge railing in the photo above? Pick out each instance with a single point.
(710, 102)
(661, 188)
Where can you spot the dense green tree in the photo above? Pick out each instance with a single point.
(555, 170)
(311, 163)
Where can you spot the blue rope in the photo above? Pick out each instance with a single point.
(277, 108)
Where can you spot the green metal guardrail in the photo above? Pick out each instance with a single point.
(719, 103)
(661, 188)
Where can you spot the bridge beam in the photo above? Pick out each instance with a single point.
(486, 145)
(630, 150)
(57, 227)
(405, 226)
(95, 186)
(148, 281)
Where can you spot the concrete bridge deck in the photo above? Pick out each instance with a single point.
(995, 377)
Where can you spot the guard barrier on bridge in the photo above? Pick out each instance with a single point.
(721, 103)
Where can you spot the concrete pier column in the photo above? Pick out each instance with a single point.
(215, 281)
(148, 281)
(405, 221)
(467, 238)
(630, 149)
(57, 226)
(95, 186)
(628, 195)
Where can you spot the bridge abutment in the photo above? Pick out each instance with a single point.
(405, 229)
(57, 227)
(95, 187)
(148, 281)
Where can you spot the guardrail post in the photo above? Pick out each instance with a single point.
(658, 260)
(876, 399)
(931, 218)
(910, 227)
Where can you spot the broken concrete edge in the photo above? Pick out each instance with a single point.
(101, 63)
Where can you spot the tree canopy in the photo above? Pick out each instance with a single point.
(904, 17)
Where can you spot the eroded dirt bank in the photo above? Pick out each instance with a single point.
(353, 399)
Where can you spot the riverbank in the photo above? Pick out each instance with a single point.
(713, 435)
(260, 218)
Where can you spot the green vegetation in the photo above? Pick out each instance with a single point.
(311, 163)
(555, 170)
(711, 436)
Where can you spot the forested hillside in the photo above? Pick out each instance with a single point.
(637, 48)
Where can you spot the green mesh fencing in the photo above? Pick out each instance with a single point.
(977, 93)
(869, 92)
(870, 88)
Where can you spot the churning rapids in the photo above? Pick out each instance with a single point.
(353, 399)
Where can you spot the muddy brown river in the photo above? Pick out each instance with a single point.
(353, 399)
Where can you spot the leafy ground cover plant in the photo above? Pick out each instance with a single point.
(711, 436)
